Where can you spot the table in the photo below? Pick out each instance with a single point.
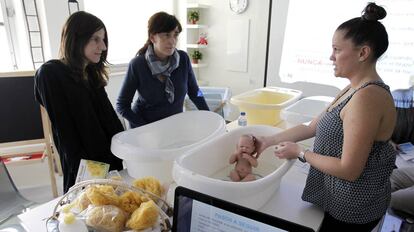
(35, 219)
(285, 203)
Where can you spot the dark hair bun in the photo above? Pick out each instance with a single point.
(373, 12)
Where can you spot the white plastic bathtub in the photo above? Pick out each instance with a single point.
(305, 110)
(205, 169)
(151, 149)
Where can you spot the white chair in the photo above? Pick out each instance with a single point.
(11, 201)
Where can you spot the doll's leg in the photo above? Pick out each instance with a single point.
(249, 177)
(234, 176)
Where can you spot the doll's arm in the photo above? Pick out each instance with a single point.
(250, 159)
(233, 158)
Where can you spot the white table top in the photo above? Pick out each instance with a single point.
(35, 219)
(286, 204)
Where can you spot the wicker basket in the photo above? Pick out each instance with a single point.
(165, 210)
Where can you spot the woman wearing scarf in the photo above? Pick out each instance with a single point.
(161, 74)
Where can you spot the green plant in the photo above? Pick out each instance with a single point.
(193, 15)
(196, 55)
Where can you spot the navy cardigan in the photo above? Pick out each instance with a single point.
(152, 103)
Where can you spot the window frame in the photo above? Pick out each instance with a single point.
(10, 31)
(17, 34)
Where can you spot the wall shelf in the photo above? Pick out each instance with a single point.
(196, 26)
(196, 46)
(199, 65)
(197, 6)
(193, 35)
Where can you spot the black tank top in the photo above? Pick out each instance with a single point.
(363, 200)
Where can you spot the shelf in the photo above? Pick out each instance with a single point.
(197, 5)
(196, 26)
(199, 65)
(194, 32)
(196, 46)
(16, 163)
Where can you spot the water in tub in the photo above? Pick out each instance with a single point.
(263, 169)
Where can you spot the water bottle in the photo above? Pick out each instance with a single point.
(242, 120)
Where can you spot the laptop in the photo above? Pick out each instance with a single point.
(198, 212)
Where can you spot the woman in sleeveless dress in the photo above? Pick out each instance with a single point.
(352, 158)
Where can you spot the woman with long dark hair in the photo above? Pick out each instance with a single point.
(160, 74)
(72, 91)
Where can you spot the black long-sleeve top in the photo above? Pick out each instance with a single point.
(83, 119)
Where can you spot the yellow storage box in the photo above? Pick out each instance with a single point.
(262, 106)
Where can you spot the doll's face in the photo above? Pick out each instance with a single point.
(246, 144)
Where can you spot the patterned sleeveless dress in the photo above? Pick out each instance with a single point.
(363, 200)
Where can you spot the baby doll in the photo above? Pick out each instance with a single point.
(244, 159)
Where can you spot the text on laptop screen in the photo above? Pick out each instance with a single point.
(196, 216)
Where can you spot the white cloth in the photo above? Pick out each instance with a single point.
(402, 187)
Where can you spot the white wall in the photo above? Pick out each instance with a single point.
(219, 14)
(53, 14)
(216, 74)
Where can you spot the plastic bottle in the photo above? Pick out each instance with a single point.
(242, 120)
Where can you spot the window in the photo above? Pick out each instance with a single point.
(6, 62)
(126, 24)
(306, 41)
(14, 42)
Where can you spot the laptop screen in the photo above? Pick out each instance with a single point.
(197, 212)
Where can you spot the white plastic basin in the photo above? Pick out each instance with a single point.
(205, 169)
(262, 106)
(217, 99)
(305, 110)
(151, 149)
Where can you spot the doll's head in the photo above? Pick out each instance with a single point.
(246, 144)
